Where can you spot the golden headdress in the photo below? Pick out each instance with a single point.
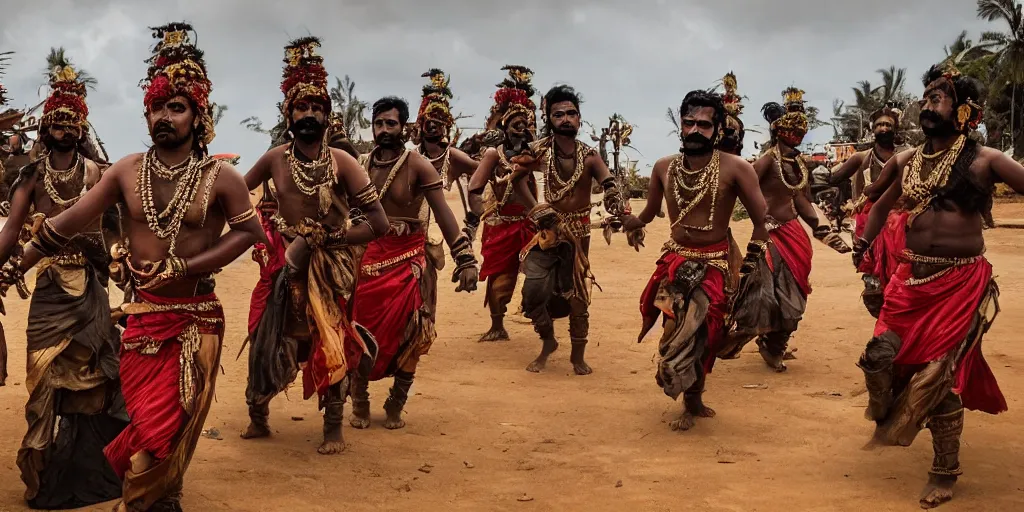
(177, 68)
(733, 102)
(66, 102)
(788, 117)
(436, 94)
(304, 75)
(513, 96)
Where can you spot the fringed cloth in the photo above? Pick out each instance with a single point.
(75, 406)
(556, 256)
(309, 301)
(396, 298)
(270, 259)
(775, 298)
(688, 287)
(170, 353)
(504, 237)
(936, 312)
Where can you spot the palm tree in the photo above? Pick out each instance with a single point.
(893, 80)
(1008, 48)
(349, 106)
(673, 118)
(218, 112)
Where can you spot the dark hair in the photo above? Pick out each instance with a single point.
(558, 94)
(964, 87)
(392, 102)
(700, 99)
(772, 111)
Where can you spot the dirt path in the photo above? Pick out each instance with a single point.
(498, 438)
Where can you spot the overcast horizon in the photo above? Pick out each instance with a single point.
(635, 58)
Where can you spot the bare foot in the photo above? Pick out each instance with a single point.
(582, 368)
(254, 431)
(576, 358)
(938, 491)
(684, 423)
(333, 442)
(360, 416)
(789, 355)
(359, 422)
(877, 440)
(394, 422)
(495, 334)
(774, 362)
(705, 412)
(550, 346)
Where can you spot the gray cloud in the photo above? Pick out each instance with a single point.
(635, 58)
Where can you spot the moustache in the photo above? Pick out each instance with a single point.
(308, 124)
(163, 127)
(696, 144)
(885, 137)
(387, 140)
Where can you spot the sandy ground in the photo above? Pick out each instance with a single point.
(483, 434)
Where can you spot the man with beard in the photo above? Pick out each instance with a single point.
(434, 123)
(396, 296)
(507, 230)
(865, 167)
(731, 140)
(770, 307)
(558, 278)
(689, 285)
(924, 363)
(306, 320)
(72, 347)
(170, 349)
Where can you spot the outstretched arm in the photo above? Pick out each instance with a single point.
(461, 164)
(846, 170)
(260, 172)
(477, 183)
(885, 179)
(466, 272)
(1008, 171)
(655, 195)
(21, 203)
(880, 210)
(822, 230)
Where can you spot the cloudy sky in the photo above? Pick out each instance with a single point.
(635, 58)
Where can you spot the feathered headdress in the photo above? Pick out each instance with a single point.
(304, 75)
(66, 103)
(177, 68)
(4, 57)
(514, 95)
(733, 101)
(436, 94)
(890, 109)
(790, 117)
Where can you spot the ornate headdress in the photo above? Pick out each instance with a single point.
(514, 95)
(790, 117)
(733, 102)
(66, 103)
(304, 75)
(969, 111)
(890, 109)
(4, 57)
(436, 94)
(177, 69)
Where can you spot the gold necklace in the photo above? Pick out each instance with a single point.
(314, 178)
(918, 189)
(707, 179)
(801, 168)
(396, 165)
(446, 155)
(555, 189)
(65, 176)
(166, 225)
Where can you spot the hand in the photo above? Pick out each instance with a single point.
(755, 254)
(631, 222)
(260, 254)
(635, 238)
(860, 248)
(11, 275)
(467, 277)
(161, 273)
(544, 216)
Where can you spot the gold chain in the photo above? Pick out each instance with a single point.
(446, 155)
(554, 188)
(167, 224)
(314, 178)
(398, 162)
(918, 189)
(50, 174)
(800, 166)
(707, 178)
(66, 175)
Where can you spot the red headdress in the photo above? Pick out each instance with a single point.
(304, 75)
(4, 57)
(66, 103)
(436, 94)
(177, 69)
(733, 102)
(513, 96)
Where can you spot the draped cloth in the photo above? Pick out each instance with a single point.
(557, 269)
(274, 254)
(75, 406)
(939, 317)
(396, 297)
(883, 257)
(860, 218)
(688, 287)
(504, 236)
(170, 354)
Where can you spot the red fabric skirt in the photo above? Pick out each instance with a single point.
(794, 246)
(884, 257)
(713, 285)
(860, 219)
(934, 318)
(384, 303)
(501, 243)
(261, 292)
(149, 383)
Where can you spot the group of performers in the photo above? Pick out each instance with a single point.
(349, 274)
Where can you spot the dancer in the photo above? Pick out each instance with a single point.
(770, 307)
(396, 298)
(689, 285)
(311, 260)
(924, 363)
(170, 349)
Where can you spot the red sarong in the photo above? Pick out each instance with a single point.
(502, 243)
(860, 219)
(275, 255)
(713, 285)
(150, 383)
(934, 318)
(387, 297)
(883, 258)
(794, 246)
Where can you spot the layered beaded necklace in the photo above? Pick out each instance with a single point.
(696, 184)
(314, 178)
(61, 176)
(555, 189)
(187, 176)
